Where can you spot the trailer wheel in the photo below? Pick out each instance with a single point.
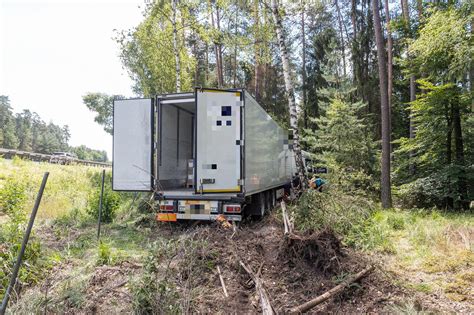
(273, 198)
(268, 200)
(257, 206)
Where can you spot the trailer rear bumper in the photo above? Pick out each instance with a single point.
(173, 217)
(207, 217)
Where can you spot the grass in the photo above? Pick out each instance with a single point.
(429, 250)
(432, 250)
(68, 187)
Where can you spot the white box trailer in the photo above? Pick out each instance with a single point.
(203, 154)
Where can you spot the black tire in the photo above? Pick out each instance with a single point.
(257, 206)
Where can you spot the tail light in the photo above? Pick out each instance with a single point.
(232, 208)
(166, 207)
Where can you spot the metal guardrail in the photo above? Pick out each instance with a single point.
(54, 159)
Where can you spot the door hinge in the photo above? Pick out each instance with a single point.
(241, 182)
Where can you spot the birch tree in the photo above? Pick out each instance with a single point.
(175, 46)
(290, 91)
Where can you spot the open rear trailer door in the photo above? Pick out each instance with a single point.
(218, 141)
(132, 161)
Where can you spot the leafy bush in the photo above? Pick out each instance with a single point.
(331, 209)
(11, 237)
(12, 196)
(110, 204)
(433, 190)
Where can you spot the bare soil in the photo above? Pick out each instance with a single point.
(293, 270)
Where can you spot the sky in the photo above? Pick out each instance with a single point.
(54, 52)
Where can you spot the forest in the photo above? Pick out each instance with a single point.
(26, 131)
(381, 93)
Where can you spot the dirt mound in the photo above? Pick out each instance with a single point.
(293, 270)
(184, 277)
(322, 250)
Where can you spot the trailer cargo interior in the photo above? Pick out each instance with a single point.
(203, 154)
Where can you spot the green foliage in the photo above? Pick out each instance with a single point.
(104, 254)
(26, 131)
(11, 238)
(331, 209)
(111, 200)
(12, 197)
(440, 173)
(147, 51)
(346, 146)
(443, 49)
(101, 104)
(110, 204)
(84, 153)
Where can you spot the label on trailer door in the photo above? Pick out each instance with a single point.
(218, 138)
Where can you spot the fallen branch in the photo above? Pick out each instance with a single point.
(222, 282)
(286, 220)
(323, 297)
(264, 298)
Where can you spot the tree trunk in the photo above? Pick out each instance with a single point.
(459, 154)
(217, 47)
(175, 47)
(257, 50)
(419, 8)
(234, 80)
(449, 153)
(341, 32)
(290, 92)
(303, 44)
(207, 64)
(386, 194)
(220, 79)
(406, 17)
(355, 64)
(353, 18)
(389, 65)
(389, 57)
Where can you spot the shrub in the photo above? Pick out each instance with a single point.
(110, 204)
(11, 237)
(331, 209)
(12, 197)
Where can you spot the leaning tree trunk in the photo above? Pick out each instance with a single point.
(175, 48)
(290, 92)
(386, 194)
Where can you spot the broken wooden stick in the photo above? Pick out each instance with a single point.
(267, 308)
(286, 220)
(222, 282)
(323, 297)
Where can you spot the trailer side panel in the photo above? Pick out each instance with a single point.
(267, 155)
